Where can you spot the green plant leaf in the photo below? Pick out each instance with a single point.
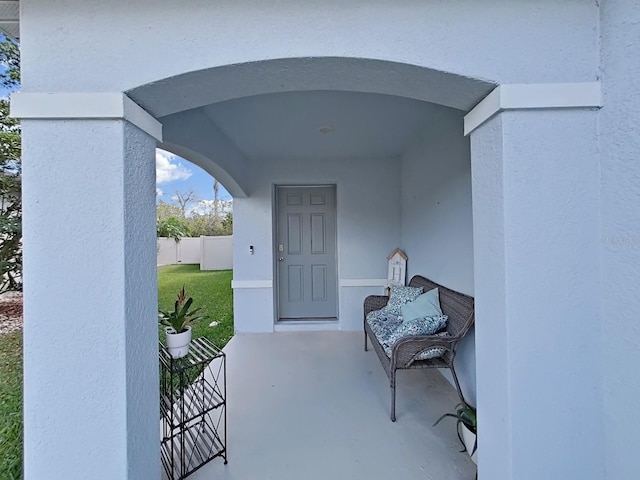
(443, 417)
(185, 309)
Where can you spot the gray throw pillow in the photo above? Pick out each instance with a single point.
(426, 305)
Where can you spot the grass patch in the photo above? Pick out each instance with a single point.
(11, 405)
(210, 290)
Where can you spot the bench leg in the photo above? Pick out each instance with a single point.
(393, 403)
(393, 396)
(455, 379)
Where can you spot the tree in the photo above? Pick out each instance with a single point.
(10, 59)
(223, 224)
(211, 217)
(198, 225)
(216, 200)
(169, 221)
(165, 211)
(10, 176)
(211, 220)
(227, 224)
(172, 227)
(184, 199)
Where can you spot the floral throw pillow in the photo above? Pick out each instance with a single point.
(399, 296)
(383, 326)
(433, 352)
(415, 327)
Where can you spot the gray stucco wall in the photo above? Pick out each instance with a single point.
(368, 228)
(437, 222)
(505, 42)
(436, 203)
(620, 223)
(535, 204)
(108, 374)
(460, 37)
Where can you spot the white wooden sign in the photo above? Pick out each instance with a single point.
(397, 268)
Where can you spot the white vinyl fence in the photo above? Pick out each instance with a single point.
(212, 253)
(216, 253)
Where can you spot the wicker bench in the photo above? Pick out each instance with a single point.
(460, 310)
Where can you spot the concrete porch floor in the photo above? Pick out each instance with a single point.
(315, 405)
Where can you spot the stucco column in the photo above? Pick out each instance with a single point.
(536, 239)
(90, 334)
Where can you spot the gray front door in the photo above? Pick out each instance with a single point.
(306, 253)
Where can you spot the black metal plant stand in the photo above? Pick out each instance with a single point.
(193, 408)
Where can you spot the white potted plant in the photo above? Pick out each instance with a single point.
(467, 427)
(178, 324)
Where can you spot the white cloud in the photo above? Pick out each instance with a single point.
(159, 192)
(169, 169)
(200, 208)
(206, 204)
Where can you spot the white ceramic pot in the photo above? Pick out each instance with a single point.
(469, 439)
(178, 343)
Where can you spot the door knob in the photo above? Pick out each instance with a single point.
(280, 259)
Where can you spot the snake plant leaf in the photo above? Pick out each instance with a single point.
(181, 317)
(185, 308)
(465, 414)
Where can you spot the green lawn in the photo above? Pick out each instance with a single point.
(11, 406)
(210, 290)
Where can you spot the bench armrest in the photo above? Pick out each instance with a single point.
(424, 341)
(374, 302)
(404, 350)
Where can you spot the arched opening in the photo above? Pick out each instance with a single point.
(388, 136)
(194, 215)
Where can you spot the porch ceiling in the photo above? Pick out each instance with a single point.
(315, 405)
(10, 18)
(315, 125)
(322, 124)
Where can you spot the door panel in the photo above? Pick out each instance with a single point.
(295, 283)
(318, 233)
(319, 282)
(294, 234)
(306, 253)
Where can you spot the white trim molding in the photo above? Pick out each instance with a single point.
(529, 96)
(363, 282)
(306, 326)
(76, 105)
(237, 284)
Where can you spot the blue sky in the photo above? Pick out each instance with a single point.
(174, 173)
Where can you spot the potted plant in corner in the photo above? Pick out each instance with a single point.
(467, 428)
(178, 324)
